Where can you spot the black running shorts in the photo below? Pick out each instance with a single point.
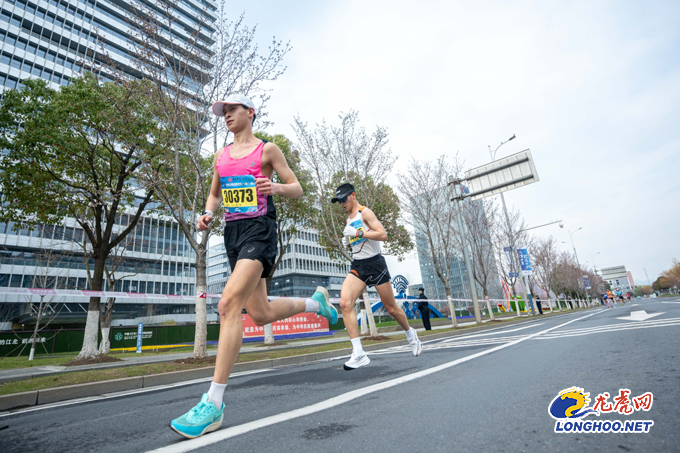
(252, 239)
(372, 271)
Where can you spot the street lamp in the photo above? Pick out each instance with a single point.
(571, 236)
(493, 153)
(513, 250)
(592, 257)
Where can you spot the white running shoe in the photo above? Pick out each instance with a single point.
(416, 345)
(356, 361)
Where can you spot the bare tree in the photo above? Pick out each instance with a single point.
(545, 257)
(190, 73)
(429, 210)
(509, 236)
(46, 276)
(481, 221)
(346, 153)
(567, 276)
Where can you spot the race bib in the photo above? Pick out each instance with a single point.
(359, 225)
(239, 193)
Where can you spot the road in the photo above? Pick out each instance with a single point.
(486, 391)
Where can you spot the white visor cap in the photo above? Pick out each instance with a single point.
(234, 99)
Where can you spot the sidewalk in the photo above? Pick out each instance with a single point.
(132, 360)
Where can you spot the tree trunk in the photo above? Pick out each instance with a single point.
(105, 325)
(34, 338)
(452, 309)
(488, 306)
(268, 334)
(201, 334)
(90, 348)
(369, 314)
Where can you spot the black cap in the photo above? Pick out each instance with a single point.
(421, 289)
(342, 191)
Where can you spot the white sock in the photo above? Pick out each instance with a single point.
(311, 306)
(216, 394)
(410, 333)
(356, 345)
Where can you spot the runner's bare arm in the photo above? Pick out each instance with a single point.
(273, 158)
(377, 232)
(214, 197)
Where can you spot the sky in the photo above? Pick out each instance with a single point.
(592, 88)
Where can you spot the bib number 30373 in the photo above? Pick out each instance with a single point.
(239, 193)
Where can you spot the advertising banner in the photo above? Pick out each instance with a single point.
(525, 264)
(301, 323)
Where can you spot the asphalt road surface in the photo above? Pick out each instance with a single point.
(486, 391)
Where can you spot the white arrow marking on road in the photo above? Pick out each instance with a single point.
(640, 315)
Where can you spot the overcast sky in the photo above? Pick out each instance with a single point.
(591, 87)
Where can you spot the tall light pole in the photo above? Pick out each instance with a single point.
(571, 236)
(513, 258)
(592, 257)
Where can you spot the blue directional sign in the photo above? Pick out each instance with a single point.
(140, 331)
(507, 249)
(525, 264)
(586, 281)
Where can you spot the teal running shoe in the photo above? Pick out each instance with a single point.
(326, 308)
(205, 417)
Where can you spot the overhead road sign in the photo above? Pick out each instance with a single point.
(501, 175)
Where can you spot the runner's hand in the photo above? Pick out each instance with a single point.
(204, 222)
(350, 231)
(345, 241)
(265, 186)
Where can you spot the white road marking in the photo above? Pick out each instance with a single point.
(107, 396)
(640, 315)
(218, 436)
(454, 339)
(553, 335)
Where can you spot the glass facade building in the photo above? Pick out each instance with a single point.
(458, 278)
(48, 39)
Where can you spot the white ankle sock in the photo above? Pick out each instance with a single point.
(311, 306)
(410, 333)
(216, 393)
(356, 345)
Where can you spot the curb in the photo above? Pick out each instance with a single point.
(56, 394)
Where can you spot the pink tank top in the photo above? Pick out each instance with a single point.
(239, 194)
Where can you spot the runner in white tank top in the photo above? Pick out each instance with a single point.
(363, 234)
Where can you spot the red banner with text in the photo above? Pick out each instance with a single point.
(300, 323)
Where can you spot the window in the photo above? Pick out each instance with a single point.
(28, 282)
(4, 279)
(15, 281)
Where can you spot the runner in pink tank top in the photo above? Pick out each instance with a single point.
(242, 185)
(237, 179)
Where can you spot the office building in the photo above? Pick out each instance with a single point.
(48, 39)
